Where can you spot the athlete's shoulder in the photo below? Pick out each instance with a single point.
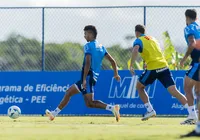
(89, 45)
(137, 41)
(88, 48)
(147, 37)
(86, 45)
(98, 45)
(188, 28)
(191, 28)
(101, 47)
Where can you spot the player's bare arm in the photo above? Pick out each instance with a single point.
(133, 58)
(114, 66)
(191, 46)
(86, 69)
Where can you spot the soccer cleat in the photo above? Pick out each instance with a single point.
(191, 134)
(149, 115)
(49, 114)
(116, 112)
(189, 121)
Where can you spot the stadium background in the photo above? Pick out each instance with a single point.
(43, 46)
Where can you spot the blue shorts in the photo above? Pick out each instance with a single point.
(193, 72)
(89, 85)
(163, 75)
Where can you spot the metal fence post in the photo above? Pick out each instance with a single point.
(144, 66)
(144, 15)
(43, 46)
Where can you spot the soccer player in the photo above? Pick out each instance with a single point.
(157, 68)
(192, 78)
(94, 54)
(192, 32)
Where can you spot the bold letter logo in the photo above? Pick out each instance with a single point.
(123, 89)
(126, 88)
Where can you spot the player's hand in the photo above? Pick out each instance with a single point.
(182, 62)
(84, 84)
(117, 77)
(132, 70)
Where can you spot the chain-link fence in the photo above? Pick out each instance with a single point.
(52, 39)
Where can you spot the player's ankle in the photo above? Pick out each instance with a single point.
(55, 112)
(109, 107)
(149, 107)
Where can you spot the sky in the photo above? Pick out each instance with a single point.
(62, 25)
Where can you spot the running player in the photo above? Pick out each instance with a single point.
(94, 54)
(192, 32)
(157, 68)
(192, 78)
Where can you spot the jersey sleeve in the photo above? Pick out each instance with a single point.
(105, 51)
(139, 43)
(87, 49)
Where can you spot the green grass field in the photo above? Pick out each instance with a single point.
(91, 128)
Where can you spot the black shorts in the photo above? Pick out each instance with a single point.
(89, 85)
(163, 75)
(193, 72)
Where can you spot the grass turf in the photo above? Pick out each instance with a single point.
(92, 128)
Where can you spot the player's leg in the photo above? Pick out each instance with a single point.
(197, 91)
(177, 94)
(182, 99)
(191, 79)
(91, 103)
(145, 79)
(142, 92)
(165, 77)
(196, 131)
(188, 88)
(69, 93)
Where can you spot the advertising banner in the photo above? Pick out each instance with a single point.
(34, 92)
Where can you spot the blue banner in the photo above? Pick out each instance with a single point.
(34, 92)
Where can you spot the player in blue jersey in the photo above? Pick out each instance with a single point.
(192, 78)
(192, 33)
(94, 54)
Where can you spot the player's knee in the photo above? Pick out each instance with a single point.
(69, 94)
(89, 104)
(172, 89)
(140, 87)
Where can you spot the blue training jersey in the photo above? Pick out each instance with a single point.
(97, 52)
(193, 29)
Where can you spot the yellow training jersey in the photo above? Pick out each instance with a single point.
(150, 52)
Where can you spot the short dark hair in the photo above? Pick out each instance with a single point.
(91, 28)
(140, 28)
(191, 13)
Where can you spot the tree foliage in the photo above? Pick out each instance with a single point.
(18, 53)
(171, 55)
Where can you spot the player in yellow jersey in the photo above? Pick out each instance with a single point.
(157, 68)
